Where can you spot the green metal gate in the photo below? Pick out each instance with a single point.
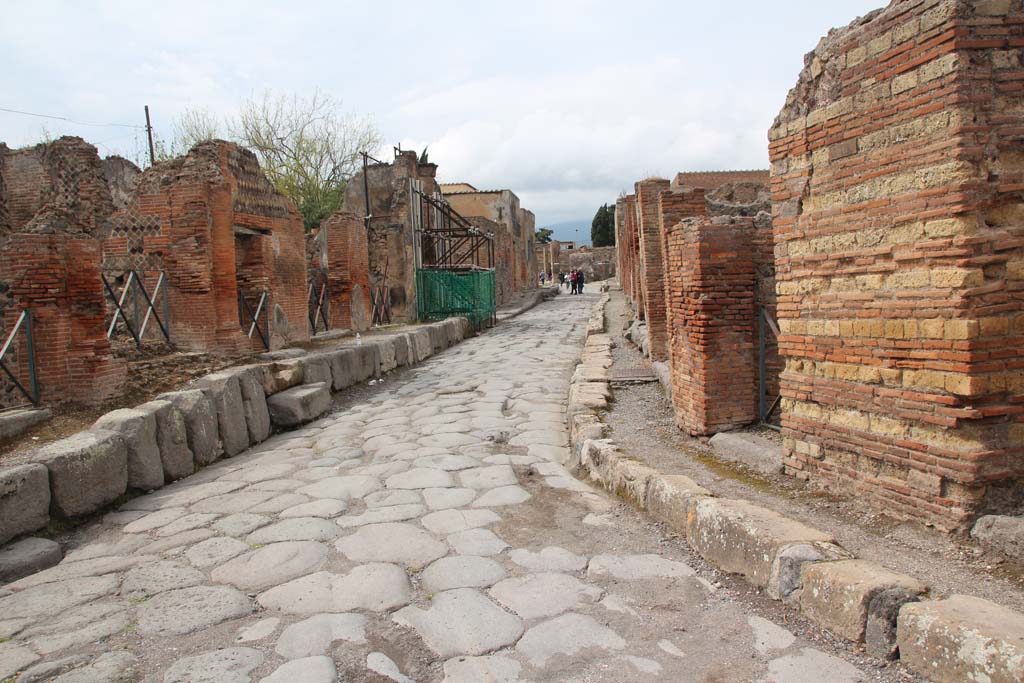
(442, 293)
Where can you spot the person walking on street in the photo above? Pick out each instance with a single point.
(580, 279)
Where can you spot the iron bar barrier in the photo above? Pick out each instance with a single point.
(317, 310)
(135, 286)
(251, 317)
(32, 394)
(764, 324)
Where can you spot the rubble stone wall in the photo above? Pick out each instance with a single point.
(897, 180)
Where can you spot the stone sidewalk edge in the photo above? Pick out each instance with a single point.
(950, 640)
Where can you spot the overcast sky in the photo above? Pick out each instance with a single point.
(566, 102)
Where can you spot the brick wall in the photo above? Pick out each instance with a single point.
(897, 183)
(220, 227)
(347, 270)
(711, 180)
(56, 199)
(632, 247)
(651, 266)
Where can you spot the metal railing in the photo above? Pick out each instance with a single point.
(764, 324)
(135, 288)
(24, 322)
(248, 316)
(317, 298)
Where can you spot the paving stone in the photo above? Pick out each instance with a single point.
(271, 565)
(449, 463)
(183, 494)
(138, 429)
(461, 571)
(280, 485)
(491, 477)
(342, 488)
(550, 559)
(671, 648)
(769, 637)
(318, 508)
(27, 556)
(154, 520)
(109, 667)
(195, 520)
(230, 503)
(54, 598)
(278, 470)
(392, 513)
(313, 637)
(476, 542)
(264, 628)
(61, 636)
(443, 499)
(543, 595)
(186, 610)
(88, 470)
(151, 579)
(812, 666)
(297, 529)
(306, 595)
(420, 478)
(50, 669)
(230, 665)
(483, 626)
(178, 540)
(451, 521)
(380, 663)
(503, 495)
(643, 665)
(14, 657)
(493, 669)
(390, 498)
(632, 567)
(240, 524)
(566, 635)
(401, 543)
(377, 587)
(306, 670)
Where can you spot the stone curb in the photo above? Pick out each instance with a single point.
(955, 639)
(217, 416)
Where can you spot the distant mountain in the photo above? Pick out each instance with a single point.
(569, 231)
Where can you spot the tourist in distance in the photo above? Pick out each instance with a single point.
(580, 279)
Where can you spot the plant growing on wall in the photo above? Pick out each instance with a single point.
(543, 235)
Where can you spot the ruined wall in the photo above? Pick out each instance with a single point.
(631, 246)
(718, 264)
(711, 180)
(389, 238)
(652, 277)
(219, 228)
(347, 269)
(55, 200)
(597, 263)
(897, 180)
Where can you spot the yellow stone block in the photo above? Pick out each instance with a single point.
(894, 329)
(961, 329)
(966, 385)
(869, 282)
(846, 327)
(932, 328)
(957, 277)
(909, 279)
(1015, 270)
(924, 379)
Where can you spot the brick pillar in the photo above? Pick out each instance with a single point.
(673, 206)
(898, 182)
(713, 354)
(652, 273)
(633, 246)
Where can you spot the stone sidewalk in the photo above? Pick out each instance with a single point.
(427, 534)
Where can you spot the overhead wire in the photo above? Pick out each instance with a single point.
(70, 120)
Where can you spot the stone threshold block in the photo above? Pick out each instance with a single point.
(962, 638)
(24, 500)
(858, 600)
(299, 405)
(742, 538)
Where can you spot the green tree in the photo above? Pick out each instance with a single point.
(602, 228)
(543, 235)
(309, 148)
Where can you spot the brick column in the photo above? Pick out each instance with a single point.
(652, 274)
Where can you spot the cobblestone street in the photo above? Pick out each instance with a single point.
(427, 533)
